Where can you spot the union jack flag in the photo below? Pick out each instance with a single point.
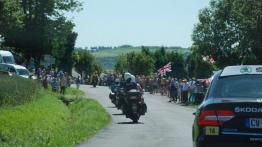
(163, 70)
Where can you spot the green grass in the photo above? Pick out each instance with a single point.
(74, 92)
(16, 90)
(46, 121)
(89, 117)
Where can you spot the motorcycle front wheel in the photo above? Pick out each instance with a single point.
(135, 118)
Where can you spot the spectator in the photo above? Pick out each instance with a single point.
(55, 84)
(185, 88)
(78, 81)
(191, 86)
(179, 90)
(168, 86)
(173, 90)
(63, 84)
(45, 81)
(155, 85)
(199, 92)
(162, 85)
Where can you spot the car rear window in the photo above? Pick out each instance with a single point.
(244, 86)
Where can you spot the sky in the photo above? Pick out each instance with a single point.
(137, 22)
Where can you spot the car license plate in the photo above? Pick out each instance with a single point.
(212, 131)
(254, 123)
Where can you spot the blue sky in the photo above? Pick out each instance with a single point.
(137, 22)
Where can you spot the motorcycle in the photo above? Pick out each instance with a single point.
(94, 82)
(134, 105)
(117, 96)
(114, 93)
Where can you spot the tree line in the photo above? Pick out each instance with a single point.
(147, 62)
(33, 28)
(85, 63)
(229, 32)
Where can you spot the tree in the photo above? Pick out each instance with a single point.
(96, 68)
(121, 64)
(178, 65)
(84, 61)
(146, 51)
(137, 63)
(142, 64)
(197, 67)
(161, 58)
(229, 31)
(11, 15)
(66, 62)
(11, 18)
(37, 27)
(146, 62)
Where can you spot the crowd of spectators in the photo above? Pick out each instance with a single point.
(58, 80)
(178, 90)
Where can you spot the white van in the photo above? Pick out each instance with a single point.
(6, 57)
(15, 70)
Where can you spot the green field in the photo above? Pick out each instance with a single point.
(108, 57)
(119, 51)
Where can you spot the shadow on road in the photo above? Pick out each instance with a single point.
(118, 114)
(129, 123)
(111, 107)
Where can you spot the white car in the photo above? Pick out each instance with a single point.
(14, 69)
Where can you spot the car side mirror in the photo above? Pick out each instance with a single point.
(194, 113)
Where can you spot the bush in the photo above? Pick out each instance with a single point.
(16, 90)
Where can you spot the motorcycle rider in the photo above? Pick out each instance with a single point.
(130, 83)
(95, 78)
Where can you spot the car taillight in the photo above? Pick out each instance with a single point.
(215, 117)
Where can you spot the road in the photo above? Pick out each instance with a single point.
(165, 124)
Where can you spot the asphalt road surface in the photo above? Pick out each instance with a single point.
(165, 124)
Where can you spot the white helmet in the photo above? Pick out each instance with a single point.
(128, 75)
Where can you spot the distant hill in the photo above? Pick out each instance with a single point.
(108, 57)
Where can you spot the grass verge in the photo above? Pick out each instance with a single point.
(46, 121)
(16, 90)
(74, 92)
